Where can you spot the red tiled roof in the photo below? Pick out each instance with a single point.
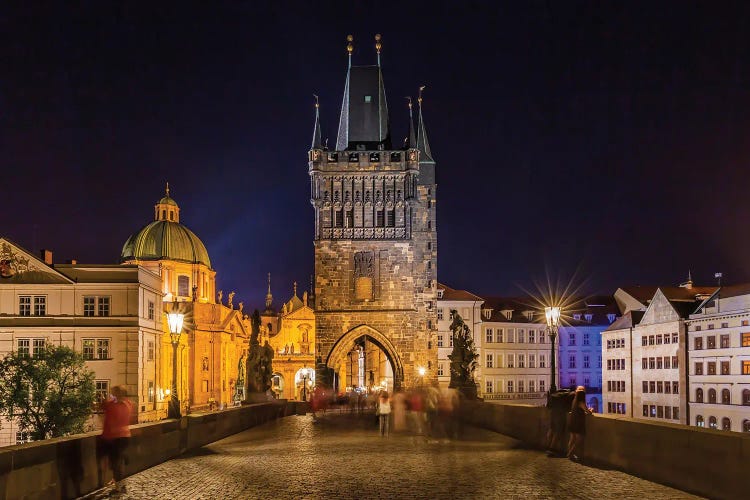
(453, 294)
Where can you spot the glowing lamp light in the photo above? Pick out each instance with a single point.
(553, 316)
(422, 371)
(175, 319)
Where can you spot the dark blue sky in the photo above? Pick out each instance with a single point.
(604, 137)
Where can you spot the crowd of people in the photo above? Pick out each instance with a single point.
(425, 411)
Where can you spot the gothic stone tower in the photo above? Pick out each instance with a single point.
(375, 237)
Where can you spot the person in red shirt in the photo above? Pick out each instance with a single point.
(116, 433)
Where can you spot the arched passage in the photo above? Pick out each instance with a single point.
(364, 334)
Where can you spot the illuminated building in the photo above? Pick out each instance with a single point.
(291, 334)
(110, 313)
(211, 355)
(375, 241)
(468, 307)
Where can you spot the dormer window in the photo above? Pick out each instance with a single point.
(530, 315)
(577, 317)
(508, 313)
(487, 313)
(440, 294)
(611, 317)
(588, 317)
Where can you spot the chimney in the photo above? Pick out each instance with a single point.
(47, 256)
(72, 261)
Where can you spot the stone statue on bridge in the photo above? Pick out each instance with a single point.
(463, 358)
(259, 370)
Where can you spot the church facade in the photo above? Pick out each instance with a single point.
(375, 238)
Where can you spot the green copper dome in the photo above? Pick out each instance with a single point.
(165, 238)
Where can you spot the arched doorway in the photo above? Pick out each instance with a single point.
(364, 359)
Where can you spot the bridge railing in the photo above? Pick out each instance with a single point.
(70, 467)
(706, 462)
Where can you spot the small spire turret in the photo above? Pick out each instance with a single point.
(317, 142)
(411, 140)
(269, 296)
(378, 46)
(425, 155)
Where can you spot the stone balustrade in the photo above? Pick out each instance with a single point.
(68, 467)
(706, 462)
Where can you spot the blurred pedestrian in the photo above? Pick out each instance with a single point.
(116, 433)
(431, 399)
(577, 424)
(398, 408)
(558, 405)
(384, 413)
(416, 411)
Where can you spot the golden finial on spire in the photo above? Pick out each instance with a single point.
(419, 99)
(167, 189)
(349, 45)
(378, 45)
(295, 288)
(408, 98)
(317, 101)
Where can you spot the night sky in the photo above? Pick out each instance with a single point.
(606, 141)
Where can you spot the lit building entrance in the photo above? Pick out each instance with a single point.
(364, 360)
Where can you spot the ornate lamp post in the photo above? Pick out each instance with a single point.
(175, 319)
(553, 321)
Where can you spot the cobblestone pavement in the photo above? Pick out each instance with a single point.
(342, 456)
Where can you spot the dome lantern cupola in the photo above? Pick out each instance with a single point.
(167, 209)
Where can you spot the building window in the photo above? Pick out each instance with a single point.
(675, 362)
(711, 340)
(183, 286)
(499, 336)
(89, 306)
(23, 347)
(667, 363)
(572, 339)
(521, 363)
(746, 397)
(699, 395)
(511, 362)
(651, 363)
(510, 386)
(698, 343)
(651, 340)
(488, 361)
(585, 339)
(440, 314)
(541, 386)
(675, 387)
(102, 389)
(712, 420)
(645, 410)
(644, 340)
(745, 339)
(95, 349)
(390, 218)
(520, 336)
(103, 306)
(488, 387)
(532, 361)
(38, 346)
(712, 396)
(150, 309)
(659, 363)
(542, 362)
(440, 369)
(440, 339)
(532, 336)
(510, 335)
(726, 424)
(746, 367)
(712, 367)
(586, 361)
(660, 411)
(660, 387)
(488, 335)
(541, 337)
(379, 218)
(520, 386)
(40, 305)
(150, 395)
(644, 363)
(572, 381)
(725, 397)
(699, 421)
(652, 387)
(645, 387)
(150, 350)
(572, 361)
(658, 340)
(23, 438)
(652, 410)
(724, 341)
(699, 368)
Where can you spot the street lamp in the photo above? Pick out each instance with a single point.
(174, 319)
(553, 321)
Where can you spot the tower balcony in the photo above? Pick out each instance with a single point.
(373, 160)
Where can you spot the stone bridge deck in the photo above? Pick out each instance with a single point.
(342, 456)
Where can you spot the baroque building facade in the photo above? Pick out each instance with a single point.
(469, 307)
(375, 237)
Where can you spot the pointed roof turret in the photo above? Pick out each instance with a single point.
(317, 141)
(363, 122)
(269, 296)
(425, 155)
(411, 140)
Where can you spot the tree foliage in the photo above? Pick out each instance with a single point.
(463, 358)
(50, 394)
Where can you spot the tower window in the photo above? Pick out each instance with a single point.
(391, 218)
(350, 218)
(171, 215)
(338, 218)
(379, 222)
(183, 286)
(368, 98)
(164, 215)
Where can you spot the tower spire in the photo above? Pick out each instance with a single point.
(317, 142)
(422, 143)
(378, 46)
(411, 141)
(167, 189)
(269, 297)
